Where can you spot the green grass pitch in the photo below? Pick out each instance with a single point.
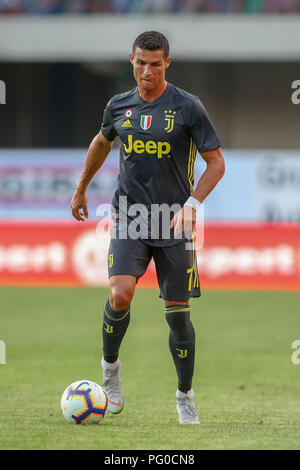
(246, 387)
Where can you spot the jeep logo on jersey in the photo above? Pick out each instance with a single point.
(145, 122)
(150, 146)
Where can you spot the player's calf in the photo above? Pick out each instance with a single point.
(182, 343)
(182, 347)
(115, 324)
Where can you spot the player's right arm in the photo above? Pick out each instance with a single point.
(96, 156)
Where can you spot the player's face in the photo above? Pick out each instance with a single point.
(149, 68)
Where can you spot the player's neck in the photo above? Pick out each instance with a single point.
(152, 95)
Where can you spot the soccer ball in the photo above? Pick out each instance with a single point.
(84, 402)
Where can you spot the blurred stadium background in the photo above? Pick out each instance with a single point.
(62, 60)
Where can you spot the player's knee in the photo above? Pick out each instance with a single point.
(120, 298)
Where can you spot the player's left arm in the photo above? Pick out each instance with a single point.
(215, 169)
(185, 219)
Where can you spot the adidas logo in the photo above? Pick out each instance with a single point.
(127, 123)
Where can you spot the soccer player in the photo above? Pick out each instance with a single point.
(160, 128)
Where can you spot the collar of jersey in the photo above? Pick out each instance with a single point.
(154, 101)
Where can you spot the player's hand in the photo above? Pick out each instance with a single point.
(184, 221)
(79, 206)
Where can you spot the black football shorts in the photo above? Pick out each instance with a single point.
(176, 267)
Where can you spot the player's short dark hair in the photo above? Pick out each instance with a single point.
(152, 41)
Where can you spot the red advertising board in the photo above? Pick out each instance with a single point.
(70, 253)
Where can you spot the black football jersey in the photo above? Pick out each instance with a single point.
(159, 141)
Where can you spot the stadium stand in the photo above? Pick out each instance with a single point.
(149, 6)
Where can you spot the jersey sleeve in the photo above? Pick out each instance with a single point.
(201, 128)
(107, 127)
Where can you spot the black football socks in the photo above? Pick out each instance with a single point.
(115, 324)
(182, 344)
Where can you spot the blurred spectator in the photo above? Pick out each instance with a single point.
(76, 6)
(151, 6)
(253, 6)
(12, 6)
(194, 6)
(47, 6)
(281, 6)
(224, 6)
(120, 6)
(52, 6)
(100, 6)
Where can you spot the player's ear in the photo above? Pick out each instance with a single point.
(131, 58)
(168, 61)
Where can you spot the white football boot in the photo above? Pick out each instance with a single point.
(112, 385)
(186, 408)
